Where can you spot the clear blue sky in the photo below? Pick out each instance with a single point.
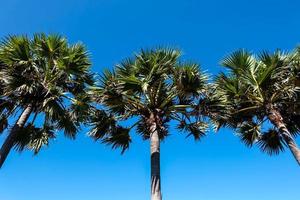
(217, 168)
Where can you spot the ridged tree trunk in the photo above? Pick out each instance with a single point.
(277, 120)
(10, 140)
(155, 160)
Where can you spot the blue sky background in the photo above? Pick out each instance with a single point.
(217, 168)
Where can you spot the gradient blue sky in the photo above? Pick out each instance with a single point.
(217, 168)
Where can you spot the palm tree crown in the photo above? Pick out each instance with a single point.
(44, 78)
(154, 82)
(260, 90)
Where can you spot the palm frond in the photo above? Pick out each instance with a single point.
(118, 138)
(33, 138)
(250, 133)
(15, 50)
(41, 138)
(142, 129)
(238, 61)
(271, 142)
(195, 129)
(67, 125)
(101, 124)
(188, 80)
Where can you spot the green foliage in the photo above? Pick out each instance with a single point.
(118, 138)
(249, 133)
(152, 83)
(253, 85)
(33, 138)
(105, 127)
(52, 76)
(271, 142)
(195, 129)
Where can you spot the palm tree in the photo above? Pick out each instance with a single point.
(42, 79)
(149, 91)
(261, 94)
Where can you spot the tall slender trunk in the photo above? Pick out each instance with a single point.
(277, 120)
(155, 160)
(10, 140)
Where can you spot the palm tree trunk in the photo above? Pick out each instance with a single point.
(9, 142)
(155, 161)
(277, 120)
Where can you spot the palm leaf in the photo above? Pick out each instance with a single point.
(271, 142)
(118, 138)
(249, 133)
